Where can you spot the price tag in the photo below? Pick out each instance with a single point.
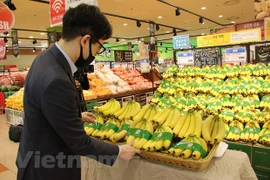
(100, 103)
(126, 99)
(149, 96)
(141, 99)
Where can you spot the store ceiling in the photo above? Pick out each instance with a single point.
(34, 15)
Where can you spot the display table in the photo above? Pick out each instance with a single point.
(233, 165)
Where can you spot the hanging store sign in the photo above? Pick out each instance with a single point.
(229, 38)
(185, 58)
(123, 56)
(251, 25)
(15, 43)
(181, 42)
(58, 9)
(144, 58)
(7, 19)
(235, 55)
(206, 57)
(262, 54)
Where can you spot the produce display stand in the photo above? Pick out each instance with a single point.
(233, 165)
(143, 96)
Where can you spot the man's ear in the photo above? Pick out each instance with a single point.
(85, 40)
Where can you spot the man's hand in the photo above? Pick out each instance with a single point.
(88, 117)
(127, 151)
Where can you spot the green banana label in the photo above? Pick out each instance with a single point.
(227, 113)
(251, 130)
(244, 114)
(255, 102)
(123, 127)
(137, 132)
(191, 146)
(162, 136)
(265, 136)
(242, 103)
(95, 125)
(235, 130)
(111, 126)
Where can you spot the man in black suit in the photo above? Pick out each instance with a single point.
(53, 138)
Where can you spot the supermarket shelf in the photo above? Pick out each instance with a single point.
(129, 93)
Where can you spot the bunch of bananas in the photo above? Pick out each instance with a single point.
(90, 128)
(227, 115)
(236, 128)
(140, 134)
(121, 132)
(242, 104)
(247, 69)
(265, 102)
(260, 69)
(244, 116)
(251, 132)
(213, 106)
(156, 97)
(213, 129)
(109, 108)
(168, 116)
(265, 134)
(147, 112)
(263, 116)
(128, 111)
(108, 129)
(254, 101)
(190, 147)
(161, 139)
(225, 100)
(265, 87)
(189, 123)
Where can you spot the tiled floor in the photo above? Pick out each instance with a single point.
(8, 152)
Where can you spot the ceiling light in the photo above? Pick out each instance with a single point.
(117, 40)
(203, 8)
(232, 22)
(220, 16)
(34, 50)
(125, 24)
(159, 17)
(5, 39)
(167, 31)
(123, 40)
(10, 5)
(157, 27)
(30, 36)
(202, 34)
(177, 12)
(201, 20)
(19, 42)
(139, 24)
(42, 33)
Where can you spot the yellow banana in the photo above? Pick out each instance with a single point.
(105, 106)
(170, 117)
(175, 119)
(135, 110)
(186, 153)
(185, 127)
(158, 145)
(198, 124)
(221, 131)
(141, 114)
(177, 152)
(207, 128)
(124, 114)
(196, 155)
(179, 125)
(191, 127)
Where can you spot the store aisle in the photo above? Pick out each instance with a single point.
(8, 152)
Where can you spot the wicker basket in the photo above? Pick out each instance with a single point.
(163, 158)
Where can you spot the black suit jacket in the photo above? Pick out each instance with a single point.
(53, 138)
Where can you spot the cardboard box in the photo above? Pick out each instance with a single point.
(243, 147)
(261, 175)
(261, 158)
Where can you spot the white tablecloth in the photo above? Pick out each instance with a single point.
(233, 165)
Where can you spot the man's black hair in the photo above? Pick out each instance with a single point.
(86, 19)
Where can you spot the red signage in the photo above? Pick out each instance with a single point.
(2, 49)
(7, 18)
(57, 11)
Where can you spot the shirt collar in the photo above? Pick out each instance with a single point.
(72, 66)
